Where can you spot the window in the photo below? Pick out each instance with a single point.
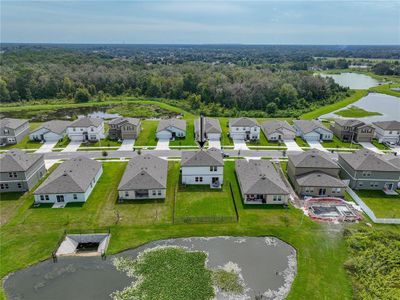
(336, 190)
(2, 186)
(213, 168)
(41, 197)
(47, 197)
(126, 194)
(390, 132)
(74, 129)
(237, 128)
(6, 131)
(75, 196)
(196, 179)
(159, 192)
(201, 179)
(154, 192)
(360, 184)
(10, 174)
(366, 173)
(277, 198)
(19, 185)
(15, 174)
(309, 189)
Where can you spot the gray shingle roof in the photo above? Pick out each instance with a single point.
(388, 125)
(56, 126)
(349, 122)
(313, 159)
(367, 160)
(177, 123)
(125, 120)
(12, 123)
(72, 176)
(321, 179)
(394, 160)
(16, 160)
(210, 125)
(307, 126)
(86, 122)
(202, 158)
(272, 126)
(259, 177)
(243, 122)
(145, 172)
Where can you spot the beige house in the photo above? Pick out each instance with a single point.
(124, 128)
(354, 130)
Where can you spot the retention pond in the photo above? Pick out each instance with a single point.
(267, 266)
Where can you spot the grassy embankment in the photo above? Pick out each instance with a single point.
(356, 112)
(135, 223)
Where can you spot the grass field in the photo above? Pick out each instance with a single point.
(189, 139)
(356, 95)
(337, 143)
(356, 112)
(102, 143)
(387, 89)
(382, 205)
(225, 139)
(147, 136)
(379, 145)
(302, 143)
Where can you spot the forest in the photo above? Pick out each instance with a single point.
(252, 81)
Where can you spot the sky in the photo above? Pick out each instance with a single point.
(201, 22)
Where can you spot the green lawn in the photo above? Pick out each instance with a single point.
(264, 142)
(24, 144)
(302, 143)
(63, 143)
(379, 145)
(133, 224)
(382, 205)
(356, 112)
(147, 136)
(189, 139)
(387, 89)
(337, 143)
(9, 203)
(102, 143)
(356, 95)
(225, 139)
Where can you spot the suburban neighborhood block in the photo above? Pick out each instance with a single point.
(145, 177)
(72, 181)
(277, 130)
(367, 170)
(260, 183)
(312, 130)
(314, 173)
(20, 171)
(12, 131)
(244, 129)
(352, 130)
(203, 167)
(86, 129)
(124, 128)
(387, 131)
(51, 131)
(171, 129)
(211, 129)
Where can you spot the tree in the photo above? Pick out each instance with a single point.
(271, 108)
(4, 93)
(82, 95)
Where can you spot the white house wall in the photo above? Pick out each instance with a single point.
(387, 135)
(76, 133)
(189, 175)
(213, 136)
(131, 195)
(240, 132)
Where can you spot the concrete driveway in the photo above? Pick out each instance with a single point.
(72, 146)
(163, 144)
(396, 149)
(292, 145)
(46, 147)
(317, 145)
(214, 144)
(240, 145)
(127, 145)
(370, 146)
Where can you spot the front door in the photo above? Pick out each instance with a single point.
(60, 198)
(389, 186)
(322, 192)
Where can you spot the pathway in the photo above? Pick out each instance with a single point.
(214, 144)
(72, 146)
(317, 145)
(163, 144)
(370, 146)
(126, 145)
(240, 145)
(46, 147)
(292, 145)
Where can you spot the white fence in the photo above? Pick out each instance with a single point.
(369, 212)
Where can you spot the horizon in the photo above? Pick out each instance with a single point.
(201, 22)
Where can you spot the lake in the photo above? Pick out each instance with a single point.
(388, 106)
(267, 266)
(354, 81)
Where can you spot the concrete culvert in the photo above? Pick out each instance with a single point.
(84, 244)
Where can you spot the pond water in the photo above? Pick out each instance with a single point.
(268, 266)
(353, 80)
(388, 106)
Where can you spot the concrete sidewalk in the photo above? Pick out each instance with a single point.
(317, 145)
(292, 145)
(240, 145)
(163, 144)
(72, 146)
(46, 147)
(214, 144)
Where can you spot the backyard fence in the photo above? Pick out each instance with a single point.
(369, 212)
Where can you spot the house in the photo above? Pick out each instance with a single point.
(86, 129)
(312, 130)
(352, 130)
(72, 181)
(145, 177)
(203, 167)
(20, 171)
(124, 128)
(244, 129)
(51, 131)
(12, 131)
(313, 173)
(277, 130)
(367, 170)
(387, 131)
(171, 129)
(211, 129)
(260, 183)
